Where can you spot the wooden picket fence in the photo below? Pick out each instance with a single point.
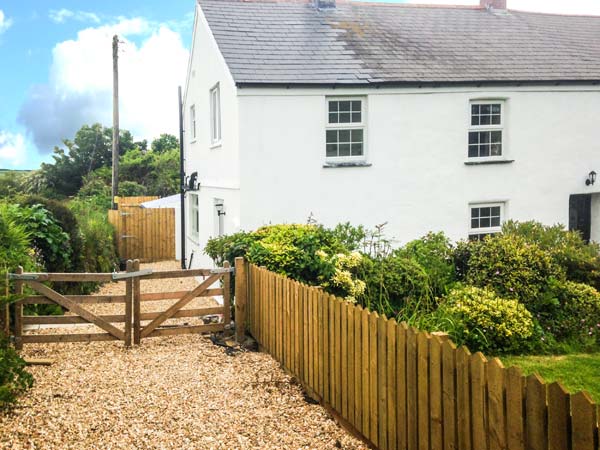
(144, 234)
(404, 389)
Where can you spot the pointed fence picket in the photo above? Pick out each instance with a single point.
(402, 389)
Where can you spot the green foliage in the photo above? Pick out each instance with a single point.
(396, 285)
(14, 379)
(89, 150)
(49, 239)
(581, 261)
(512, 267)
(99, 249)
(15, 243)
(165, 142)
(131, 189)
(572, 313)
(349, 236)
(12, 183)
(434, 253)
(489, 323)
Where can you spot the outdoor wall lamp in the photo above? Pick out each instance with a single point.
(591, 179)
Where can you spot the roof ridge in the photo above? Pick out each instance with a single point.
(543, 13)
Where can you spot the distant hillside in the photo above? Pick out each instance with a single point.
(5, 171)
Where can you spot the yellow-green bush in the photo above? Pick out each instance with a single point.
(489, 323)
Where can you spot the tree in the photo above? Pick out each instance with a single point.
(165, 143)
(88, 151)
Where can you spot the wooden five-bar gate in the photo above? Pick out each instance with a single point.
(132, 325)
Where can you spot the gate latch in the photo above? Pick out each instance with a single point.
(223, 270)
(25, 276)
(124, 275)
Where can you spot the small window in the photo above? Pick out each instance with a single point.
(194, 217)
(485, 220)
(215, 115)
(193, 121)
(345, 130)
(486, 130)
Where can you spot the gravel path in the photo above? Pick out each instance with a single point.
(178, 392)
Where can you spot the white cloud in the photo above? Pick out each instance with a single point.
(12, 149)
(79, 89)
(5, 22)
(62, 15)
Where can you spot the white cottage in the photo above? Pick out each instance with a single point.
(451, 118)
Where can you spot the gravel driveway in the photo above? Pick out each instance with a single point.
(178, 392)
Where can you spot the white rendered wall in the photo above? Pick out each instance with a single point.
(417, 145)
(217, 165)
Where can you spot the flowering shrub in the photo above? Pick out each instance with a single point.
(489, 323)
(573, 313)
(512, 267)
(344, 279)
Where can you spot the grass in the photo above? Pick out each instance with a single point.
(576, 372)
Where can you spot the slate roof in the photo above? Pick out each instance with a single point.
(291, 42)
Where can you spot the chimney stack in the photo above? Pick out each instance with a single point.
(493, 4)
(325, 4)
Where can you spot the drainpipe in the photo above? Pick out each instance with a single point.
(182, 182)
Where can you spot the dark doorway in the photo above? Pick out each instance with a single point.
(580, 214)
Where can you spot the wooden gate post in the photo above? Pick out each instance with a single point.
(136, 305)
(227, 294)
(5, 312)
(128, 305)
(241, 298)
(19, 313)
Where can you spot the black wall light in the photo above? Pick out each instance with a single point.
(591, 179)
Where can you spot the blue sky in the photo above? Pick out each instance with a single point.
(56, 67)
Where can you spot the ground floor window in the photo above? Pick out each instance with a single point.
(485, 219)
(194, 218)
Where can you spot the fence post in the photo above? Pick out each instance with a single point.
(136, 305)
(5, 312)
(241, 298)
(227, 295)
(19, 313)
(128, 305)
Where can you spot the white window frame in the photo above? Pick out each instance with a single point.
(194, 217)
(497, 127)
(215, 115)
(193, 122)
(347, 126)
(486, 230)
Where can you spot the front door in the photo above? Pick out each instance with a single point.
(580, 214)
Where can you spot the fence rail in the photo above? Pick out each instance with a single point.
(404, 389)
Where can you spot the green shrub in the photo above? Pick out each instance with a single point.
(14, 379)
(573, 312)
(512, 267)
(99, 252)
(228, 247)
(48, 238)
(489, 323)
(396, 285)
(131, 189)
(434, 253)
(581, 261)
(67, 221)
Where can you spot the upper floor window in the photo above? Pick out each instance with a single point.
(345, 133)
(485, 219)
(215, 115)
(486, 129)
(193, 121)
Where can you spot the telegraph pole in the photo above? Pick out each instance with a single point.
(115, 139)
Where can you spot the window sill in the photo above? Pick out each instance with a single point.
(333, 165)
(193, 141)
(215, 145)
(488, 161)
(193, 241)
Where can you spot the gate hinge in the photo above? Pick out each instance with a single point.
(124, 275)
